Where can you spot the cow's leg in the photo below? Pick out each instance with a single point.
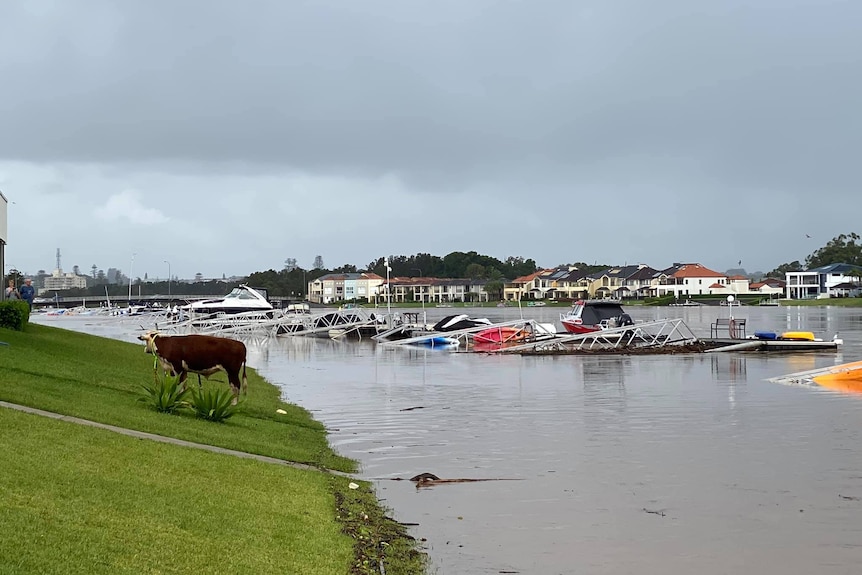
(233, 379)
(183, 375)
(200, 385)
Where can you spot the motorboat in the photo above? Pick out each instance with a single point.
(587, 316)
(458, 322)
(241, 299)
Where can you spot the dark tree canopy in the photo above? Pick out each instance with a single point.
(841, 249)
(779, 272)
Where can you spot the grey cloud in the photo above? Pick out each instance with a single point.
(442, 92)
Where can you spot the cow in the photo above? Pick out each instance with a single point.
(201, 354)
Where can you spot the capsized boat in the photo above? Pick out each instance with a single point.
(458, 322)
(241, 299)
(587, 316)
(844, 377)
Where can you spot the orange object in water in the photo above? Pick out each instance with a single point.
(844, 377)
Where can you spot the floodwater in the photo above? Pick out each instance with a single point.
(609, 464)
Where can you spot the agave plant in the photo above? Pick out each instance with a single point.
(165, 395)
(213, 404)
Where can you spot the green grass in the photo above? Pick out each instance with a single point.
(100, 379)
(81, 500)
(75, 499)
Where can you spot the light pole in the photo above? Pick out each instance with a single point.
(169, 281)
(132, 263)
(388, 292)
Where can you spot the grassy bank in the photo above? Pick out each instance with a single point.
(75, 499)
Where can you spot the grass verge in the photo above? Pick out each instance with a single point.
(74, 499)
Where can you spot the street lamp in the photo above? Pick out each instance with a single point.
(130, 277)
(169, 281)
(388, 288)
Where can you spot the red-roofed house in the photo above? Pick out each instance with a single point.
(695, 279)
(532, 286)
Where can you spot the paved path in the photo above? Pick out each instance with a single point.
(171, 440)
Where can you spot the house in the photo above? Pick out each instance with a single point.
(568, 282)
(532, 286)
(819, 282)
(436, 290)
(769, 286)
(683, 280)
(611, 282)
(344, 287)
(640, 283)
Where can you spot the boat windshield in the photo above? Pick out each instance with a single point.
(595, 314)
(239, 293)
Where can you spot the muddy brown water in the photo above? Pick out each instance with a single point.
(626, 464)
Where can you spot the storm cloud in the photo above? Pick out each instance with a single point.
(616, 131)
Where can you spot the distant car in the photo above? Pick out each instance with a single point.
(42, 300)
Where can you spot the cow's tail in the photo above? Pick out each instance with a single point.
(244, 380)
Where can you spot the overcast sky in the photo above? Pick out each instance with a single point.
(227, 136)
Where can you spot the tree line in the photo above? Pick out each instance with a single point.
(292, 280)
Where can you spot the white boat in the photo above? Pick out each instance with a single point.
(241, 299)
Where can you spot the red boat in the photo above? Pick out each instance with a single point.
(587, 316)
(502, 334)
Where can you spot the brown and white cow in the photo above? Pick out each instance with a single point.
(201, 354)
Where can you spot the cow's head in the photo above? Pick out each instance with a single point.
(149, 339)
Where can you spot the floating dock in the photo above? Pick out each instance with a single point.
(719, 344)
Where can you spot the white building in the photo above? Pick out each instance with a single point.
(58, 281)
(820, 282)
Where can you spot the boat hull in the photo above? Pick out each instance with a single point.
(500, 335)
(579, 327)
(845, 377)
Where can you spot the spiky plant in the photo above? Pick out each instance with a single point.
(165, 394)
(213, 404)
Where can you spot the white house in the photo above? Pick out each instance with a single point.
(820, 282)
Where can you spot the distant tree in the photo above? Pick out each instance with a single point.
(318, 263)
(779, 272)
(76, 270)
(199, 277)
(475, 271)
(494, 289)
(840, 249)
(346, 269)
(290, 264)
(94, 268)
(100, 277)
(145, 276)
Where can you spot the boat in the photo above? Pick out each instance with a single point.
(439, 341)
(536, 304)
(501, 334)
(458, 322)
(241, 299)
(587, 316)
(770, 302)
(844, 377)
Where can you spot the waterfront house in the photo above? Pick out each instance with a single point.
(821, 282)
(344, 287)
(683, 280)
